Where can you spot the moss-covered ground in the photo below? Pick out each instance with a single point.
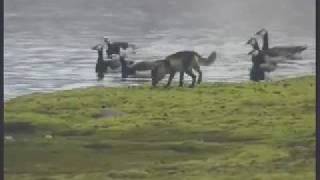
(258, 131)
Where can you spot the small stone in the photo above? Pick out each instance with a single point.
(9, 139)
(48, 136)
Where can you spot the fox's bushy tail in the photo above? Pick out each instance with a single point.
(208, 61)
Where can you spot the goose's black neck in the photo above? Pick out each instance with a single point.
(256, 45)
(100, 55)
(265, 45)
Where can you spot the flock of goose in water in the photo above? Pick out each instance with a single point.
(264, 59)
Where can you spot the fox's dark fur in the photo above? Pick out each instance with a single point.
(183, 62)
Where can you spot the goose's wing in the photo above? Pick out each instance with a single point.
(274, 60)
(268, 67)
(288, 49)
(123, 45)
(283, 51)
(270, 52)
(114, 63)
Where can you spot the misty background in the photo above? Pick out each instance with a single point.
(47, 43)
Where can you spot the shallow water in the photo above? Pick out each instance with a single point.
(47, 43)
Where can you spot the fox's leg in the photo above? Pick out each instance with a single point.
(193, 76)
(197, 68)
(181, 79)
(170, 78)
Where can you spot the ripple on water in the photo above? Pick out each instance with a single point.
(48, 48)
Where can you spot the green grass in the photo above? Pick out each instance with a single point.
(257, 131)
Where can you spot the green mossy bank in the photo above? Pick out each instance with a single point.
(214, 131)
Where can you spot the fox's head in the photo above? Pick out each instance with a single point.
(159, 71)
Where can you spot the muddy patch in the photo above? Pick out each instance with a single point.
(76, 132)
(18, 128)
(128, 174)
(98, 146)
(107, 113)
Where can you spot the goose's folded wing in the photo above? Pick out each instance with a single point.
(123, 45)
(283, 50)
(270, 52)
(288, 49)
(268, 67)
(274, 60)
(114, 63)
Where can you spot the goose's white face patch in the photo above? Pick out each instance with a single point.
(255, 53)
(252, 42)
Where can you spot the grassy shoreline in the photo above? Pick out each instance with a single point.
(220, 131)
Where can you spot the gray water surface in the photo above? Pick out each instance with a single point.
(47, 43)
